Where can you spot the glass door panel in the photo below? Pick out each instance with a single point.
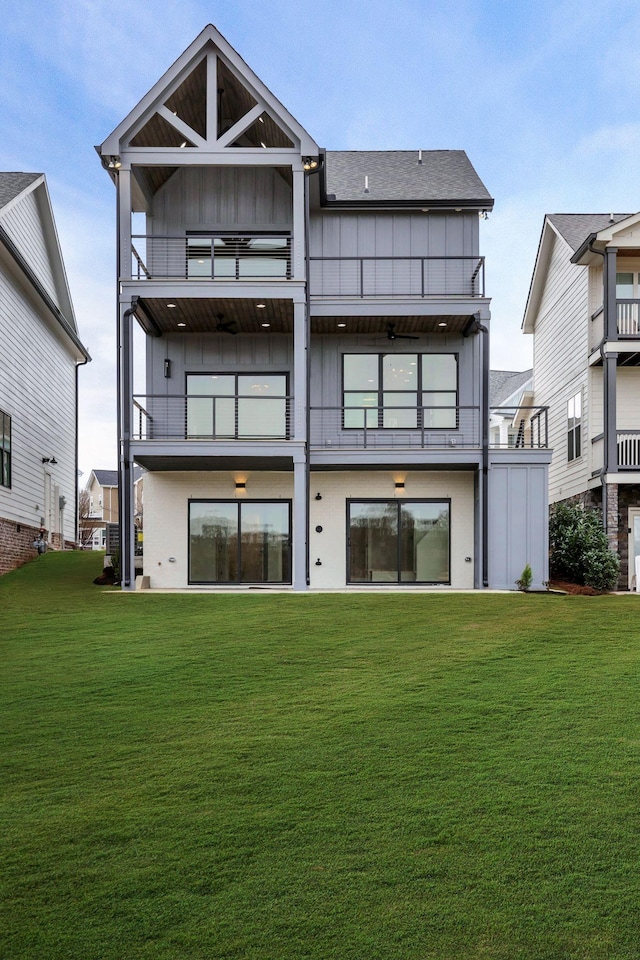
(424, 542)
(265, 543)
(634, 547)
(213, 542)
(373, 538)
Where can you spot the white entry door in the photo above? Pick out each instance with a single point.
(634, 544)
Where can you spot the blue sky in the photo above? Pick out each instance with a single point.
(543, 97)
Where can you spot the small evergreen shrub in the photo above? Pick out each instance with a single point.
(578, 548)
(526, 578)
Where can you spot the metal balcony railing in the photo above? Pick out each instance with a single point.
(159, 417)
(397, 428)
(396, 276)
(520, 427)
(211, 257)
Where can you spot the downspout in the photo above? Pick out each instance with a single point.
(473, 328)
(82, 363)
(605, 377)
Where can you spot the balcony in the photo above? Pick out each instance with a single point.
(628, 313)
(218, 256)
(413, 277)
(211, 418)
(628, 443)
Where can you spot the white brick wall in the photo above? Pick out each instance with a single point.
(166, 516)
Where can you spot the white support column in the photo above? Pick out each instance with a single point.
(298, 251)
(300, 524)
(124, 224)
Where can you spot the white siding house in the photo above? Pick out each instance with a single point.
(315, 412)
(39, 357)
(583, 311)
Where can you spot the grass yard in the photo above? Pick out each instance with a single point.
(364, 777)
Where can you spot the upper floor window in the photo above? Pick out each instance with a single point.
(227, 256)
(400, 390)
(574, 427)
(237, 406)
(5, 449)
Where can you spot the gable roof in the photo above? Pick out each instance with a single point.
(109, 478)
(209, 38)
(14, 234)
(504, 383)
(12, 185)
(575, 228)
(436, 177)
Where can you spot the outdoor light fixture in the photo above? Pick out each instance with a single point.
(310, 163)
(241, 484)
(182, 324)
(399, 484)
(51, 460)
(171, 306)
(260, 306)
(167, 368)
(114, 163)
(318, 496)
(265, 324)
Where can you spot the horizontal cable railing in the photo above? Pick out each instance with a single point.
(211, 257)
(159, 417)
(396, 276)
(628, 315)
(519, 427)
(628, 449)
(395, 427)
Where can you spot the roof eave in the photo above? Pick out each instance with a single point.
(426, 204)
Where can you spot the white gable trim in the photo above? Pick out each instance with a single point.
(543, 258)
(208, 41)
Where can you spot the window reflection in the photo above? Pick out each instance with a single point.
(397, 541)
(239, 542)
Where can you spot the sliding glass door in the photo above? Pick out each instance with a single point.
(399, 541)
(239, 541)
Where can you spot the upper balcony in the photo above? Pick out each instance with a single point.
(227, 257)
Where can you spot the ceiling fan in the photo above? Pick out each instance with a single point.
(392, 335)
(223, 326)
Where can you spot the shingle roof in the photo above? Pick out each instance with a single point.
(109, 478)
(576, 227)
(397, 175)
(11, 184)
(502, 383)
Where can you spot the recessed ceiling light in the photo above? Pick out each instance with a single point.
(342, 324)
(182, 324)
(260, 306)
(265, 324)
(442, 324)
(171, 305)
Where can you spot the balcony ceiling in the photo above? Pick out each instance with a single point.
(201, 316)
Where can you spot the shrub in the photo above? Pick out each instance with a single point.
(525, 579)
(578, 547)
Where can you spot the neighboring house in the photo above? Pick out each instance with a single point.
(101, 506)
(583, 311)
(510, 400)
(40, 353)
(315, 410)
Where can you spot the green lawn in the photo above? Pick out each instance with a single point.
(384, 777)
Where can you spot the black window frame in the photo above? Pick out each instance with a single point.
(399, 501)
(236, 397)
(239, 502)
(419, 391)
(5, 453)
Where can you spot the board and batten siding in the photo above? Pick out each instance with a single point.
(351, 234)
(37, 389)
(221, 198)
(560, 364)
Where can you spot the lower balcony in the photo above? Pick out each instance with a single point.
(628, 453)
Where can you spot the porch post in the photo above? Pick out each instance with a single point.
(298, 251)
(125, 462)
(610, 306)
(300, 513)
(124, 223)
(610, 363)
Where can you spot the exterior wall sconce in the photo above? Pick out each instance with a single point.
(51, 460)
(399, 484)
(310, 163)
(241, 484)
(167, 368)
(318, 562)
(114, 163)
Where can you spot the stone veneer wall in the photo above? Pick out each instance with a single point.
(16, 544)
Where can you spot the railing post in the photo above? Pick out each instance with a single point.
(361, 277)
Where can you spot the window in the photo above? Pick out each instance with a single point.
(5, 449)
(237, 406)
(400, 390)
(574, 422)
(239, 541)
(398, 541)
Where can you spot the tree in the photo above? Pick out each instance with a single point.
(86, 523)
(578, 548)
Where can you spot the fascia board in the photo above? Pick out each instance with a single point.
(609, 233)
(182, 66)
(538, 277)
(55, 252)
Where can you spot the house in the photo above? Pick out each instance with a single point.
(99, 506)
(40, 354)
(510, 399)
(582, 311)
(315, 405)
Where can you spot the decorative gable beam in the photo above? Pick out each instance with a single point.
(183, 128)
(239, 128)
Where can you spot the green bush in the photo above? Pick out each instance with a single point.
(525, 579)
(578, 548)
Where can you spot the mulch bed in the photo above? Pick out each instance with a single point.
(576, 588)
